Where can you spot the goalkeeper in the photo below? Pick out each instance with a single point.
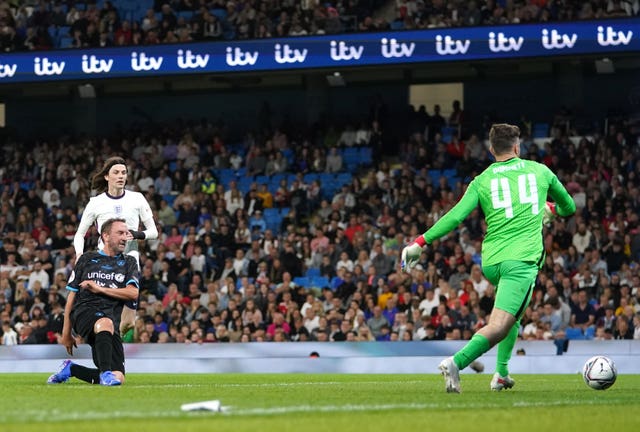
(512, 193)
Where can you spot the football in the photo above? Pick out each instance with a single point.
(599, 372)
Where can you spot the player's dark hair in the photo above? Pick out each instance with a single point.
(503, 136)
(98, 181)
(106, 226)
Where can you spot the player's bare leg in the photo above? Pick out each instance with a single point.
(127, 319)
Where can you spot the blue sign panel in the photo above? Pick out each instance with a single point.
(332, 51)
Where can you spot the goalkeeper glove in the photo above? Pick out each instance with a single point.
(550, 213)
(411, 254)
(138, 235)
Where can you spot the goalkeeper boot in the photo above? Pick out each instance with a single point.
(501, 382)
(451, 375)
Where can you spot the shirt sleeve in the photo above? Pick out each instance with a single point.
(565, 205)
(146, 216)
(133, 275)
(76, 275)
(455, 216)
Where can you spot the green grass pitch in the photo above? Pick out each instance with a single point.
(326, 402)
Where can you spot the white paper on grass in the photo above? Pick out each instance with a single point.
(212, 405)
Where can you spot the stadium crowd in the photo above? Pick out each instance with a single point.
(45, 24)
(254, 247)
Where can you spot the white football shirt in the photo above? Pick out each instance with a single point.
(131, 206)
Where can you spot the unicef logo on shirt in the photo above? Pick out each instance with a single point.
(119, 277)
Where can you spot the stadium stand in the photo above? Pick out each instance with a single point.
(99, 23)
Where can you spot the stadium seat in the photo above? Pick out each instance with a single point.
(288, 154)
(64, 31)
(308, 178)
(574, 333)
(187, 15)
(319, 282)
(301, 281)
(326, 178)
(53, 32)
(590, 333)
(540, 130)
(169, 198)
(344, 178)
(312, 272)
(262, 179)
(275, 178)
(221, 14)
(65, 42)
(271, 213)
(284, 211)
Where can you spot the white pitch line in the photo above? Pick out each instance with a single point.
(266, 385)
(58, 415)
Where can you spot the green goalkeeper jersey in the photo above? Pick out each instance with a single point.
(512, 195)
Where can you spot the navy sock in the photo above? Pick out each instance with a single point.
(104, 350)
(90, 375)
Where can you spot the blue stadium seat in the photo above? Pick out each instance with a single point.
(312, 272)
(326, 178)
(262, 179)
(64, 31)
(275, 178)
(53, 32)
(169, 198)
(540, 130)
(590, 333)
(308, 178)
(344, 178)
(302, 281)
(366, 154)
(187, 15)
(284, 211)
(220, 13)
(319, 281)
(244, 184)
(270, 213)
(574, 333)
(65, 42)
(288, 154)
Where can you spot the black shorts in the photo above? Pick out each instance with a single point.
(83, 323)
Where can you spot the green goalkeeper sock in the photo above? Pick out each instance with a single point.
(505, 348)
(477, 346)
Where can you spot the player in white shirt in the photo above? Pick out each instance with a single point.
(114, 201)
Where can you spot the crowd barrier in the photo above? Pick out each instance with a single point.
(539, 357)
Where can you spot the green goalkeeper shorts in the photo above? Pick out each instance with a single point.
(514, 282)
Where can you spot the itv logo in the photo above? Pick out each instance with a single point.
(392, 49)
(611, 37)
(450, 46)
(500, 42)
(91, 64)
(43, 66)
(341, 51)
(555, 40)
(237, 57)
(8, 70)
(284, 54)
(142, 62)
(188, 60)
